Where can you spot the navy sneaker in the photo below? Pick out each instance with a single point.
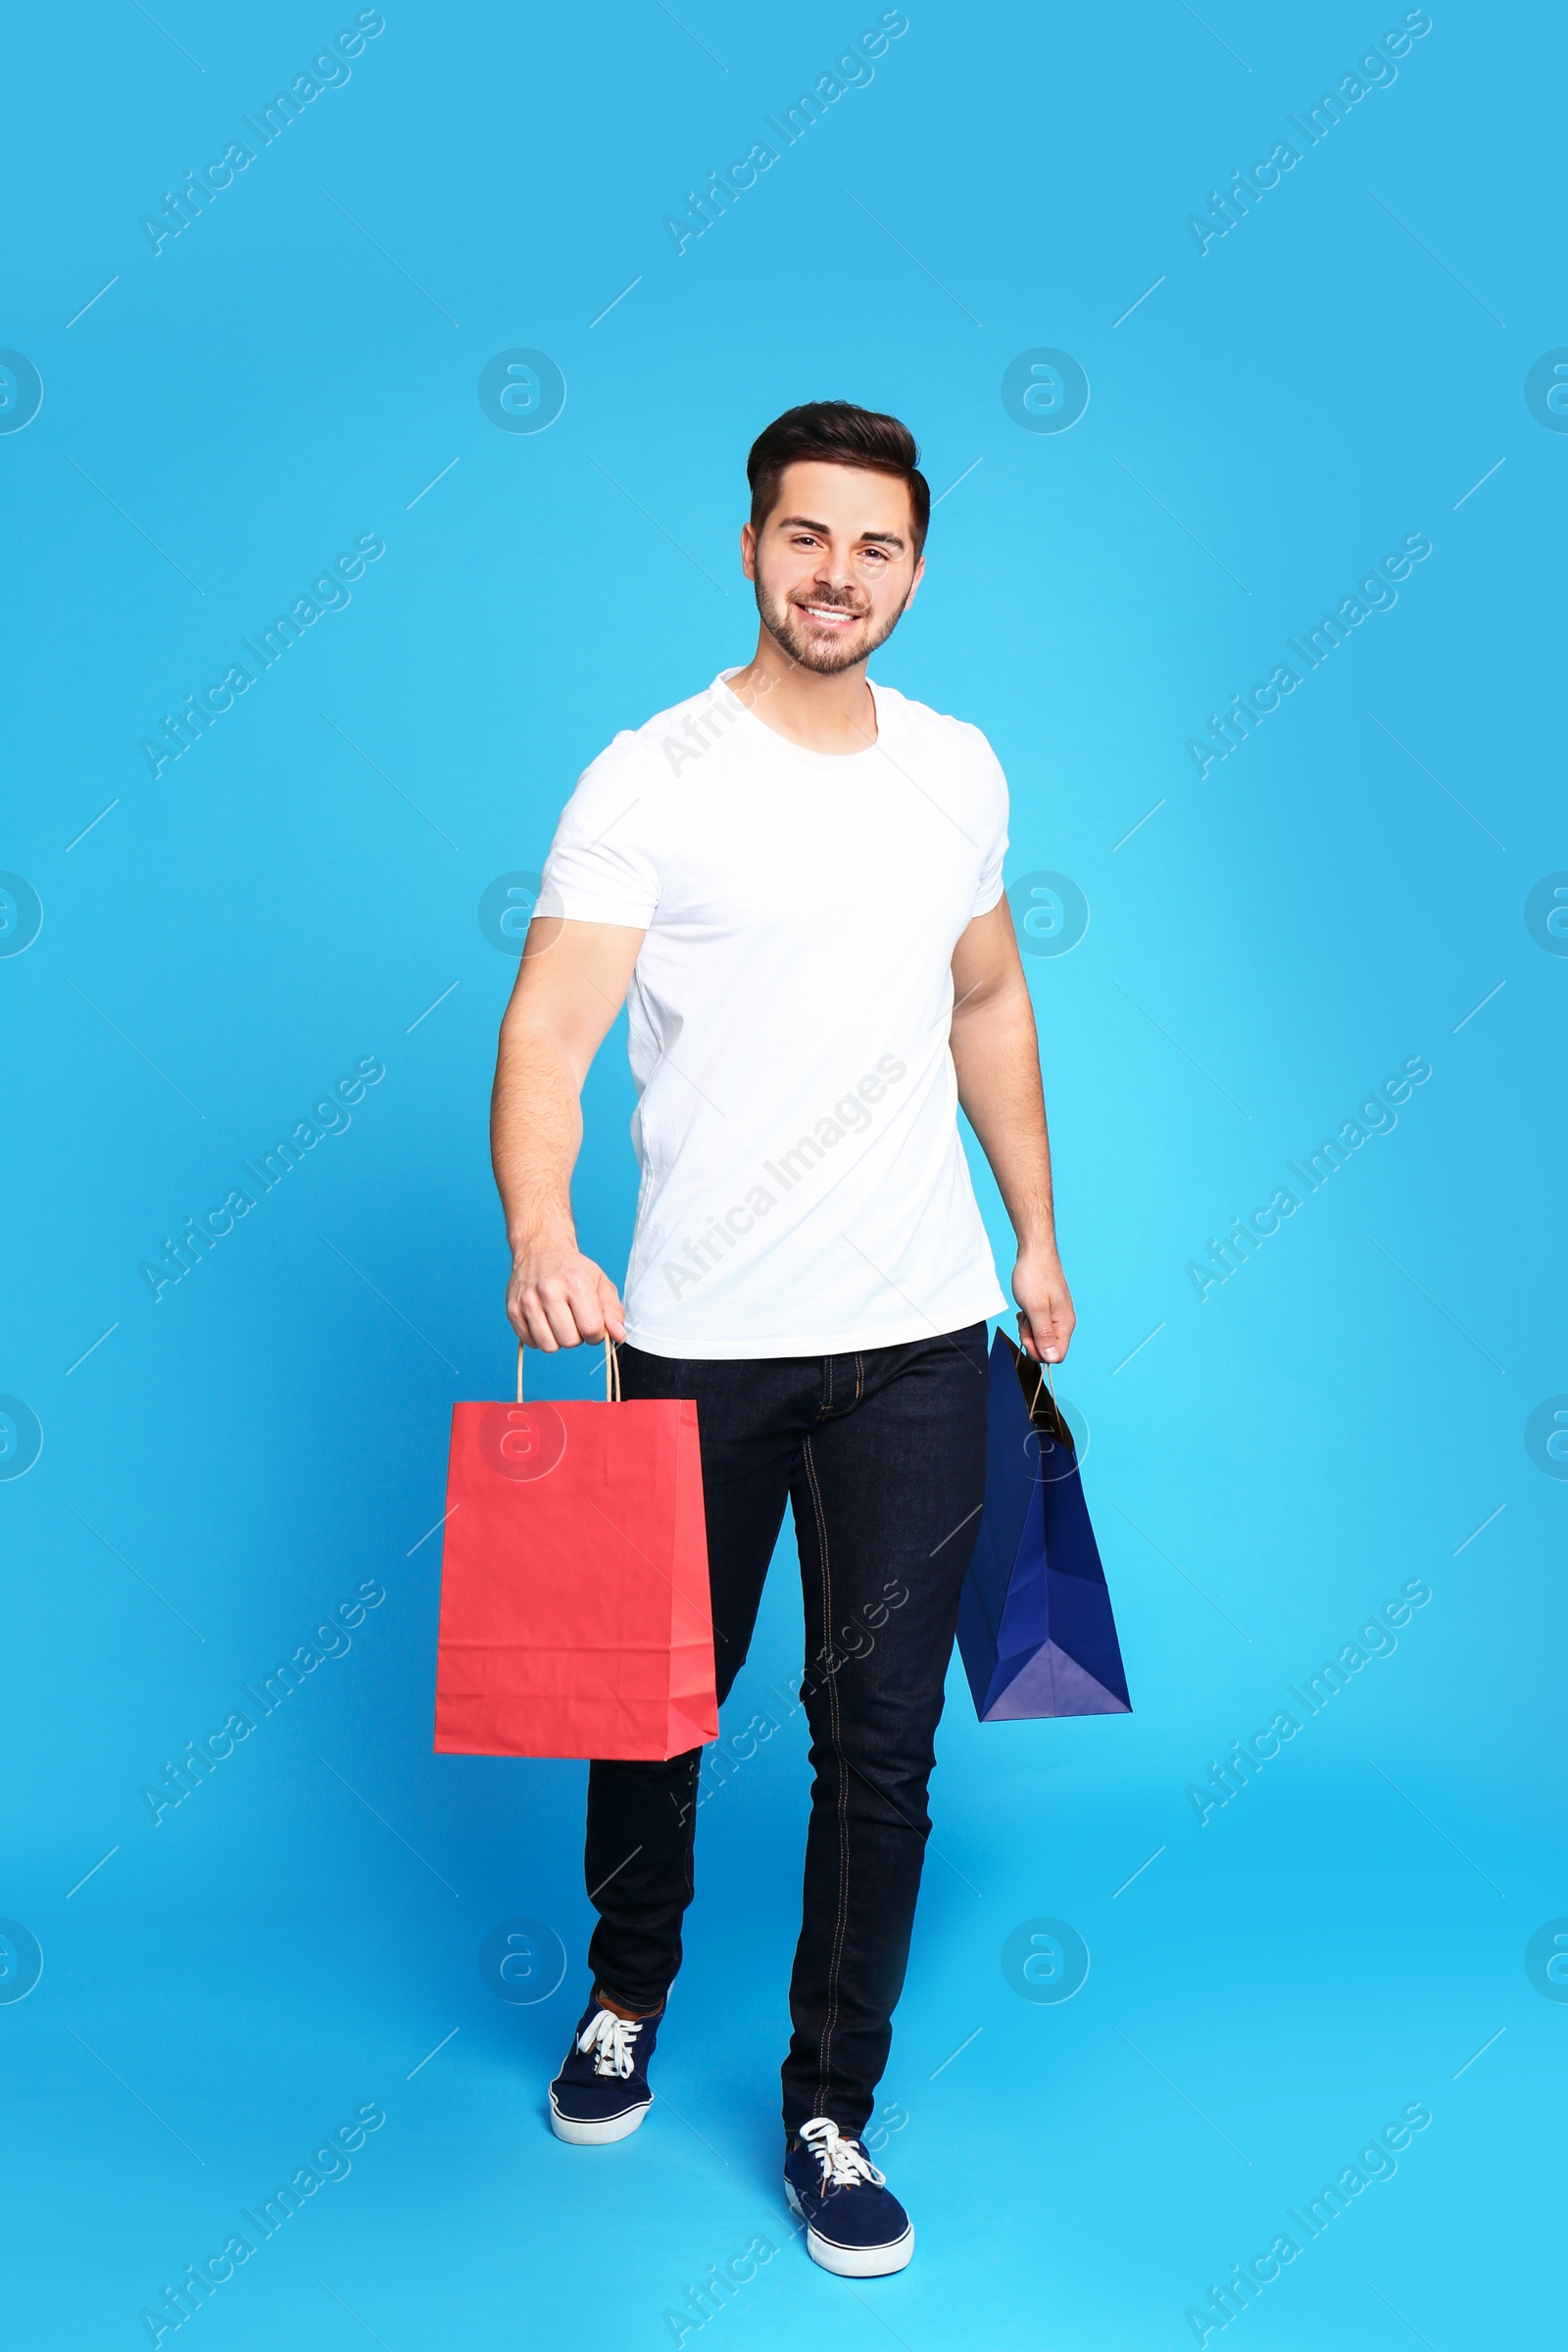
(854, 2226)
(602, 2092)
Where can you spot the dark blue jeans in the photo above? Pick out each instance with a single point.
(882, 1456)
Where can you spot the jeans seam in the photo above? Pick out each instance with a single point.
(841, 1922)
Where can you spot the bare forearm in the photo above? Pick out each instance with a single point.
(535, 1135)
(571, 984)
(997, 1058)
(996, 1055)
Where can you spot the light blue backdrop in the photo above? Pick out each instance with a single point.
(1275, 403)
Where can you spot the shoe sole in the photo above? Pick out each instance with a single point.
(855, 2262)
(579, 2133)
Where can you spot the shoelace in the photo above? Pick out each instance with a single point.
(613, 2040)
(843, 2165)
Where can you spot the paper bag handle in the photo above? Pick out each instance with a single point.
(612, 1372)
(1044, 1380)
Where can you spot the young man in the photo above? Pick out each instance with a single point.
(798, 877)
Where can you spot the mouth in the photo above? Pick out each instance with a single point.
(837, 617)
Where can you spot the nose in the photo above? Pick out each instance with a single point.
(836, 572)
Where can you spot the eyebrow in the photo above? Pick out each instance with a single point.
(804, 522)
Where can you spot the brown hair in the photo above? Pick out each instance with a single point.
(834, 432)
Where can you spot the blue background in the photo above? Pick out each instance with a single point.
(1338, 1417)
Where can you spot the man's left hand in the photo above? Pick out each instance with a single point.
(1046, 1324)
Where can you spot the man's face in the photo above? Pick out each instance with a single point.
(834, 564)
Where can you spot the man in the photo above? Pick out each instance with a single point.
(797, 879)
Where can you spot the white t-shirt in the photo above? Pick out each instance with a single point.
(803, 1187)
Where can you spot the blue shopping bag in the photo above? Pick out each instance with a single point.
(1035, 1628)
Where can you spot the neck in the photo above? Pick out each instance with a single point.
(820, 713)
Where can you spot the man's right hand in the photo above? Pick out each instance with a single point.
(558, 1298)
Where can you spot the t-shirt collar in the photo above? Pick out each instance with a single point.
(800, 751)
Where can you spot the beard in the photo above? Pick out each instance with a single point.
(793, 632)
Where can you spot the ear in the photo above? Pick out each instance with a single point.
(749, 551)
(920, 575)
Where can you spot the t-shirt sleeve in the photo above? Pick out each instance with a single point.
(604, 864)
(993, 836)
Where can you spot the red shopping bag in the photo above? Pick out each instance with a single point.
(574, 1606)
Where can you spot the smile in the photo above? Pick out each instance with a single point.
(830, 615)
